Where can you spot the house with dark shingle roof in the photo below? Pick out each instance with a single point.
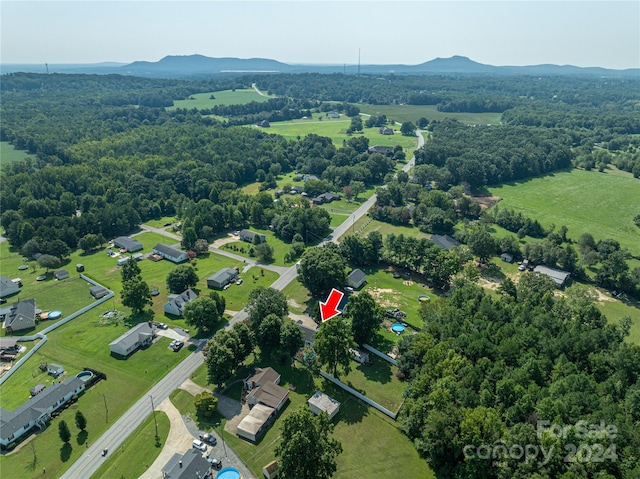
(128, 244)
(557, 275)
(356, 278)
(19, 316)
(445, 242)
(170, 253)
(36, 412)
(222, 278)
(177, 301)
(250, 236)
(7, 287)
(190, 465)
(137, 337)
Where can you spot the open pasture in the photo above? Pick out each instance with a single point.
(411, 113)
(584, 201)
(8, 154)
(201, 101)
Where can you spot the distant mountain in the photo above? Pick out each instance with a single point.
(175, 66)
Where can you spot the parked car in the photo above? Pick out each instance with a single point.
(198, 444)
(215, 463)
(177, 346)
(208, 438)
(348, 289)
(239, 281)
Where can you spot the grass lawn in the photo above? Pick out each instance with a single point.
(237, 295)
(139, 450)
(336, 129)
(280, 248)
(226, 97)
(8, 154)
(362, 430)
(378, 382)
(585, 201)
(298, 296)
(430, 112)
(366, 225)
(616, 310)
(161, 222)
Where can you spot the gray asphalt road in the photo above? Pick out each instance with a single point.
(86, 465)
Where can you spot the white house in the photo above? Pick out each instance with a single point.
(256, 422)
(177, 301)
(139, 336)
(170, 253)
(36, 412)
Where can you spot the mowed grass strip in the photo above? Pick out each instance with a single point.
(411, 113)
(584, 201)
(201, 101)
(137, 452)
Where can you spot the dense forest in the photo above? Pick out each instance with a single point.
(527, 385)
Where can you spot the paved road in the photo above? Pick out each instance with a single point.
(88, 463)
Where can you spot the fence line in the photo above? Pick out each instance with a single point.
(364, 398)
(43, 334)
(380, 354)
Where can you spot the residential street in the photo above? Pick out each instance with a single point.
(86, 465)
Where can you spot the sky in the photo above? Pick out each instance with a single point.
(514, 32)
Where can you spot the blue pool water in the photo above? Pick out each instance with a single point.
(397, 327)
(228, 473)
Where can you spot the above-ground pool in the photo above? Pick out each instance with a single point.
(423, 298)
(397, 328)
(228, 473)
(55, 314)
(85, 376)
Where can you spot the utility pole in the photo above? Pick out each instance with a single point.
(154, 415)
(358, 62)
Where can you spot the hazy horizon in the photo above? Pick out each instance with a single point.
(501, 33)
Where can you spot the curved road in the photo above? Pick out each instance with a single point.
(89, 462)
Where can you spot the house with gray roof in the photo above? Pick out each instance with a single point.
(177, 301)
(356, 278)
(128, 244)
(19, 316)
(7, 287)
(445, 242)
(36, 412)
(137, 337)
(558, 276)
(222, 278)
(190, 465)
(170, 253)
(252, 236)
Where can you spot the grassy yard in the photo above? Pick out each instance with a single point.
(411, 113)
(585, 201)
(8, 154)
(366, 225)
(363, 431)
(336, 129)
(378, 382)
(237, 295)
(298, 296)
(280, 248)
(226, 97)
(138, 451)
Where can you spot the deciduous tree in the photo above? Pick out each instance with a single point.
(365, 316)
(63, 432)
(181, 278)
(322, 269)
(332, 344)
(202, 313)
(306, 448)
(136, 294)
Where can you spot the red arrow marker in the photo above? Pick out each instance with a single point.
(329, 309)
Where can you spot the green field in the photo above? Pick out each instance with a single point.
(9, 154)
(137, 452)
(336, 129)
(363, 431)
(411, 113)
(585, 201)
(201, 101)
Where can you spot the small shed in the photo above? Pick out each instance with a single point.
(122, 261)
(79, 268)
(98, 291)
(270, 471)
(38, 388)
(356, 278)
(61, 274)
(55, 370)
(506, 257)
(320, 402)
